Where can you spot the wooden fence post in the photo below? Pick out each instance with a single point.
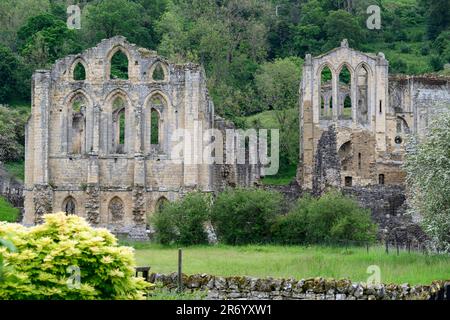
(180, 270)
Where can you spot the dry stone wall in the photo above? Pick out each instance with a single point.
(235, 288)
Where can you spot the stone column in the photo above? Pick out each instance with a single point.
(304, 175)
(381, 74)
(336, 96)
(191, 100)
(40, 118)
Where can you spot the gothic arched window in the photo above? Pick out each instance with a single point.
(69, 206)
(116, 209)
(119, 66)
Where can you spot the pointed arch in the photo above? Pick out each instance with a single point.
(402, 126)
(345, 73)
(346, 156)
(325, 91)
(156, 107)
(366, 66)
(69, 205)
(345, 80)
(161, 203)
(78, 70)
(119, 121)
(118, 124)
(323, 66)
(67, 100)
(159, 71)
(118, 65)
(155, 127)
(113, 94)
(77, 105)
(116, 210)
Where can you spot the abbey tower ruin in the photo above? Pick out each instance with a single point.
(355, 120)
(354, 127)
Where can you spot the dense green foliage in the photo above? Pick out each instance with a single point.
(12, 134)
(330, 218)
(428, 168)
(49, 257)
(242, 216)
(8, 67)
(183, 221)
(245, 216)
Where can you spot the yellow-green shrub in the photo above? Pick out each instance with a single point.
(47, 257)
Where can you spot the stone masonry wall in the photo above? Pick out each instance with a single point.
(235, 288)
(388, 206)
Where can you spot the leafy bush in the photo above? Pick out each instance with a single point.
(183, 221)
(12, 134)
(49, 256)
(331, 217)
(428, 179)
(243, 216)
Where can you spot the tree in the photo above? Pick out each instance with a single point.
(332, 217)
(277, 85)
(46, 38)
(106, 19)
(438, 16)
(183, 221)
(12, 134)
(8, 67)
(428, 180)
(229, 38)
(14, 14)
(342, 25)
(243, 216)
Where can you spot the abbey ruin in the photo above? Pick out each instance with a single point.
(100, 146)
(353, 129)
(355, 119)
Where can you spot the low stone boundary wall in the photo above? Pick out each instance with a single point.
(234, 288)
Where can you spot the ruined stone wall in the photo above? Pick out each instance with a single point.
(418, 99)
(360, 136)
(388, 206)
(369, 152)
(80, 159)
(11, 189)
(234, 288)
(231, 173)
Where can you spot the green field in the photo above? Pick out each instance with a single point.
(7, 211)
(297, 262)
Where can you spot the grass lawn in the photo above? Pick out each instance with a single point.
(296, 262)
(283, 177)
(7, 211)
